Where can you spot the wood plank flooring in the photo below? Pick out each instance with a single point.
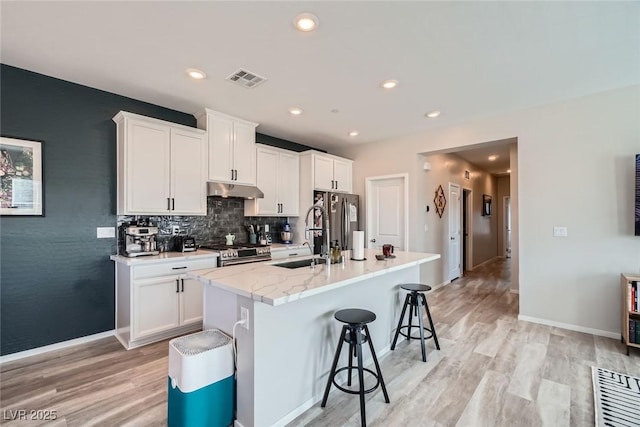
(492, 370)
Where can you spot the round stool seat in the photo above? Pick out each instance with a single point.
(415, 287)
(355, 316)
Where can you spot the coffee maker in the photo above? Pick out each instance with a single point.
(136, 240)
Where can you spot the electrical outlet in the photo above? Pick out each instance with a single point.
(244, 315)
(175, 229)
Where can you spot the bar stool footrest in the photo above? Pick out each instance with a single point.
(409, 336)
(346, 390)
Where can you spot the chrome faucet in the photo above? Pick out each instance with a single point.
(324, 254)
(309, 246)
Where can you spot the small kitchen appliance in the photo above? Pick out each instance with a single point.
(138, 240)
(185, 243)
(285, 234)
(240, 253)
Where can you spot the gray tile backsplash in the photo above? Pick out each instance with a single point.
(223, 216)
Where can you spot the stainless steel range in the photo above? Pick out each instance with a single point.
(239, 253)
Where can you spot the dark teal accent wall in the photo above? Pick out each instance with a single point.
(56, 279)
(283, 143)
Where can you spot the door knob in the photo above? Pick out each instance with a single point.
(453, 238)
(372, 240)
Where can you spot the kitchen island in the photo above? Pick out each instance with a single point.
(285, 356)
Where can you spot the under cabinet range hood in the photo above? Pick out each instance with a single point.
(233, 190)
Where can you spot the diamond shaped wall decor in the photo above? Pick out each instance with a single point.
(440, 201)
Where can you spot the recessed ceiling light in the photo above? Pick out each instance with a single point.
(493, 157)
(508, 170)
(353, 133)
(194, 73)
(306, 22)
(433, 114)
(295, 111)
(389, 84)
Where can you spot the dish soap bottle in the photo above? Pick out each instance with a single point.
(336, 253)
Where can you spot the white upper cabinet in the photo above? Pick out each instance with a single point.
(323, 173)
(342, 175)
(232, 147)
(289, 183)
(331, 173)
(161, 167)
(278, 178)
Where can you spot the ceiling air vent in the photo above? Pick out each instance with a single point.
(246, 78)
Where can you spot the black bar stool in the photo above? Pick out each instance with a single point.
(414, 300)
(355, 332)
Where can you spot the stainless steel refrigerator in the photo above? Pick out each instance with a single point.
(344, 211)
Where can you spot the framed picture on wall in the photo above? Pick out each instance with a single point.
(486, 205)
(20, 177)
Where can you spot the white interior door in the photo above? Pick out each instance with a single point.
(386, 212)
(454, 231)
(507, 227)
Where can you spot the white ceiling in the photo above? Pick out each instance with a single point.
(467, 59)
(480, 156)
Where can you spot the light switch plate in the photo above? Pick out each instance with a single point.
(559, 231)
(106, 232)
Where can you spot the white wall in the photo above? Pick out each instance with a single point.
(575, 168)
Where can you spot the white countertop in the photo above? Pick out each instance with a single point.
(164, 257)
(273, 285)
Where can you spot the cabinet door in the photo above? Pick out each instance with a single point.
(155, 306)
(220, 131)
(188, 175)
(323, 173)
(288, 184)
(190, 301)
(342, 175)
(244, 153)
(267, 181)
(147, 168)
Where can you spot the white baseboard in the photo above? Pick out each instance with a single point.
(56, 346)
(315, 399)
(599, 332)
(433, 288)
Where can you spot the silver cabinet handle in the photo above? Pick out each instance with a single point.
(336, 185)
(168, 203)
(231, 174)
(177, 286)
(182, 282)
(173, 204)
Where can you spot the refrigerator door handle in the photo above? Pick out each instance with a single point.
(345, 221)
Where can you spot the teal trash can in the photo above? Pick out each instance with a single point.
(201, 380)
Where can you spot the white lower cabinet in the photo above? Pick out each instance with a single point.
(158, 301)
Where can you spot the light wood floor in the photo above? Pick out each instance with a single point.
(492, 370)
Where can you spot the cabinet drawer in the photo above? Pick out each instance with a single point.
(174, 267)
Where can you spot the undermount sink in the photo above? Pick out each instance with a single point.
(300, 263)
